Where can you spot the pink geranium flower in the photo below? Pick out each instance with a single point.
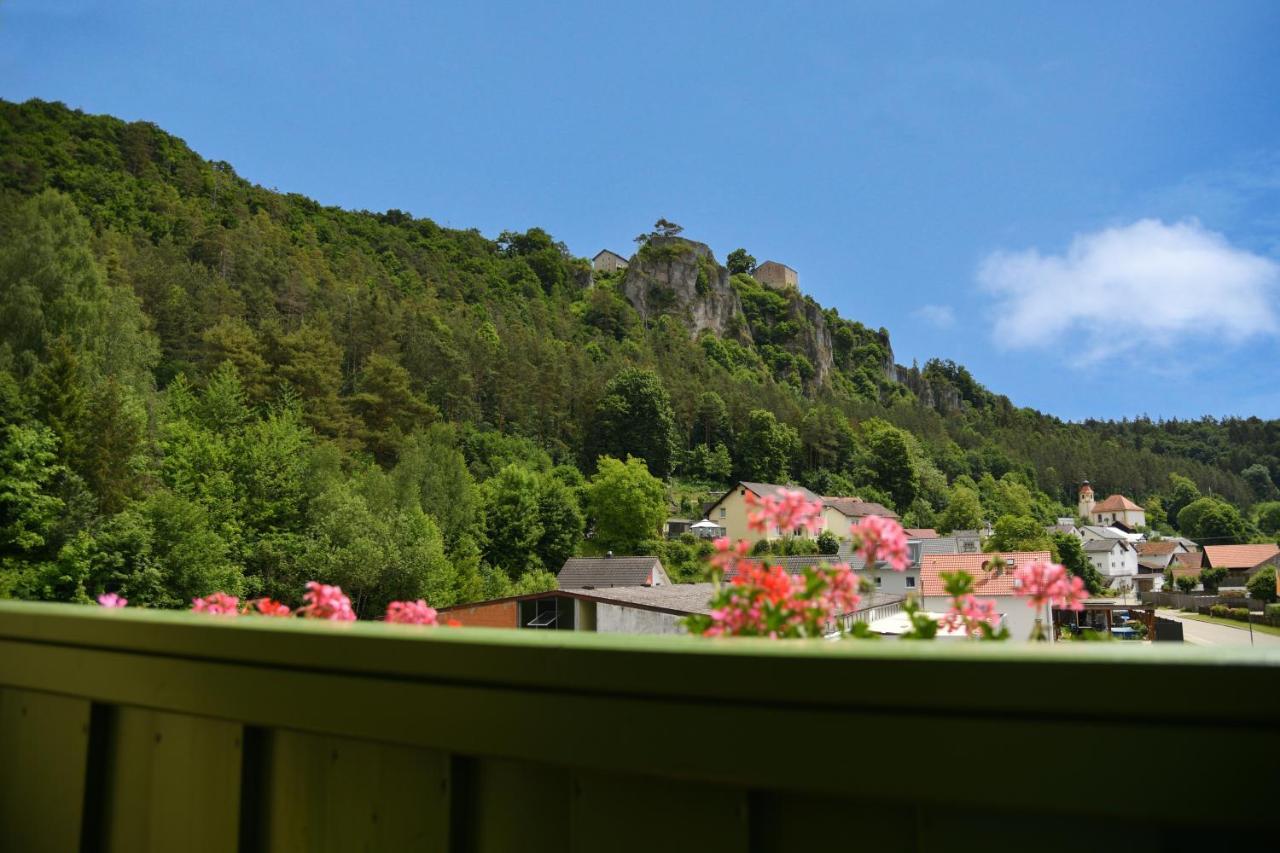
(322, 601)
(267, 607)
(1044, 583)
(787, 511)
(110, 599)
(219, 603)
(882, 540)
(969, 611)
(411, 613)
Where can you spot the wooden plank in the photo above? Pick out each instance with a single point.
(781, 823)
(44, 745)
(623, 814)
(326, 794)
(511, 805)
(170, 779)
(580, 730)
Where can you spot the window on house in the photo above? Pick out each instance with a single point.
(722, 512)
(911, 582)
(879, 581)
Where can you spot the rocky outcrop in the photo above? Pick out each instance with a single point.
(813, 335)
(681, 278)
(673, 276)
(940, 396)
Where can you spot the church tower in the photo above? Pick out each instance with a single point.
(1086, 500)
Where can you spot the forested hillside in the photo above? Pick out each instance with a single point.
(206, 384)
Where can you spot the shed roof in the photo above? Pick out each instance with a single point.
(1240, 556)
(921, 533)
(600, 572)
(1159, 548)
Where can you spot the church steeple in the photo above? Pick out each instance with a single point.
(1086, 500)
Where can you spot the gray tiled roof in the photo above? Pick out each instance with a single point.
(796, 564)
(1104, 532)
(599, 572)
(681, 597)
(763, 489)
(941, 545)
(854, 508)
(1102, 544)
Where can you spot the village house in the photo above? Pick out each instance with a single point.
(776, 275)
(1156, 556)
(838, 513)
(1094, 532)
(731, 510)
(988, 583)
(1063, 525)
(970, 541)
(1117, 509)
(1115, 559)
(606, 261)
(1241, 561)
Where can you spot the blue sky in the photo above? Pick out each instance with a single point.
(1080, 202)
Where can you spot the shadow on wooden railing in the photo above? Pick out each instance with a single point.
(148, 731)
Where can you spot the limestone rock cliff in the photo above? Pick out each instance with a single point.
(679, 277)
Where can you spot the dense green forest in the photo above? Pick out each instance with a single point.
(205, 384)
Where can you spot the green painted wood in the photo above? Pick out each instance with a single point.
(460, 739)
(327, 794)
(532, 800)
(44, 743)
(630, 814)
(579, 728)
(170, 780)
(781, 823)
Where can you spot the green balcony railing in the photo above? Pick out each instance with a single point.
(149, 731)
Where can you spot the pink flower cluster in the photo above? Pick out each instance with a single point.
(881, 540)
(411, 613)
(268, 607)
(219, 603)
(786, 512)
(1049, 583)
(322, 601)
(970, 612)
(766, 601)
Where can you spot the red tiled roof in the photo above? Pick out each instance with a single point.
(1191, 558)
(921, 533)
(1185, 571)
(1116, 503)
(985, 582)
(1156, 549)
(1240, 556)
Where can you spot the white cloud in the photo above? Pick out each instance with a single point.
(1131, 289)
(939, 316)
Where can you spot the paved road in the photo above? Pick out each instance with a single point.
(1209, 634)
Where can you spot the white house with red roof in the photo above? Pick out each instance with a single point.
(989, 582)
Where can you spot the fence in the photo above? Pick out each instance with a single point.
(148, 731)
(1198, 601)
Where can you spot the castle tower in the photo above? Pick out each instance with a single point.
(1086, 500)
